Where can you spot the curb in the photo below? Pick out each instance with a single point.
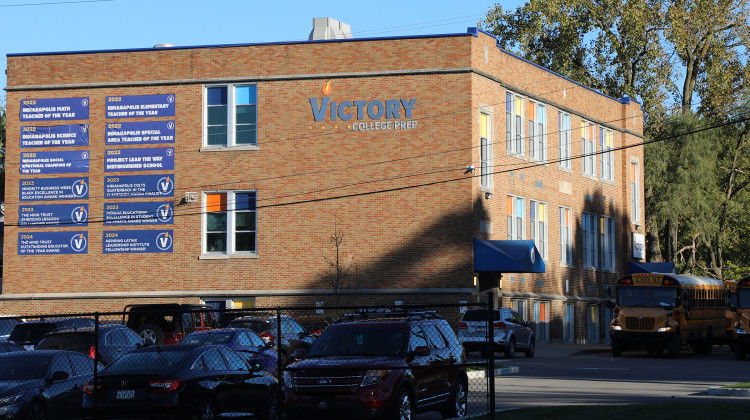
(728, 392)
(498, 372)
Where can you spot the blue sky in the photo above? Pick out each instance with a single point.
(79, 25)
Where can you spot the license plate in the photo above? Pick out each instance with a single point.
(125, 394)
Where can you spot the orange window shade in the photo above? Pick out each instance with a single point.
(216, 202)
(568, 221)
(592, 134)
(542, 311)
(509, 205)
(634, 173)
(532, 111)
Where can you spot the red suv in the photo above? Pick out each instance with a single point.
(377, 365)
(168, 323)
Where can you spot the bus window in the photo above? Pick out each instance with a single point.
(647, 296)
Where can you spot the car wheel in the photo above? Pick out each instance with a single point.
(532, 348)
(403, 406)
(37, 411)
(152, 333)
(510, 351)
(616, 348)
(206, 410)
(739, 351)
(458, 402)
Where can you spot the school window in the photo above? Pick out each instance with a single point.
(537, 132)
(588, 151)
(607, 243)
(485, 133)
(635, 189)
(229, 222)
(566, 236)
(538, 216)
(230, 115)
(516, 220)
(514, 124)
(608, 169)
(564, 139)
(589, 240)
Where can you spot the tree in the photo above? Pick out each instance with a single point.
(340, 273)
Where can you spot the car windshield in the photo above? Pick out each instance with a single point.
(147, 362)
(480, 315)
(257, 325)
(66, 341)
(22, 369)
(647, 296)
(208, 338)
(25, 332)
(359, 340)
(743, 298)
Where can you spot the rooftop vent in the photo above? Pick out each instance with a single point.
(327, 28)
(163, 45)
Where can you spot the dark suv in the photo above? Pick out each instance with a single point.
(168, 323)
(114, 341)
(379, 366)
(29, 334)
(293, 335)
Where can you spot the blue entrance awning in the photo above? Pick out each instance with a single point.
(507, 256)
(635, 267)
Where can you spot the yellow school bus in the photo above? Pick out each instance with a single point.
(741, 308)
(661, 312)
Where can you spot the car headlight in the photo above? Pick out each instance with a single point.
(287, 379)
(739, 330)
(373, 376)
(11, 399)
(665, 328)
(616, 328)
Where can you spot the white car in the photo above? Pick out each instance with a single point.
(510, 332)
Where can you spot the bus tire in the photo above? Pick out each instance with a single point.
(739, 351)
(674, 346)
(616, 348)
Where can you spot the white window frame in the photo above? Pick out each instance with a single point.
(589, 225)
(538, 132)
(635, 191)
(485, 152)
(588, 149)
(566, 236)
(606, 141)
(539, 228)
(231, 116)
(517, 220)
(514, 124)
(231, 229)
(607, 243)
(563, 120)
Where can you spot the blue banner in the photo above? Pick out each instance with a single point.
(53, 243)
(129, 160)
(54, 109)
(54, 189)
(139, 106)
(53, 214)
(130, 186)
(55, 135)
(142, 213)
(137, 241)
(54, 162)
(140, 132)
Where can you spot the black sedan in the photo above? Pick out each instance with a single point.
(206, 381)
(43, 384)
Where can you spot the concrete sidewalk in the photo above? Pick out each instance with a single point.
(565, 350)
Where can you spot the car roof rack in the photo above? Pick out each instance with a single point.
(386, 313)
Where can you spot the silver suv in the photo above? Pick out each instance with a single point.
(510, 331)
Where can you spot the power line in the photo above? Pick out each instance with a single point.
(54, 3)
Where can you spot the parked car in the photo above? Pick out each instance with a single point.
(510, 332)
(7, 323)
(114, 341)
(43, 384)
(7, 347)
(29, 334)
(293, 334)
(243, 341)
(379, 365)
(181, 381)
(168, 323)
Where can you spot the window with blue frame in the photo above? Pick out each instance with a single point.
(231, 115)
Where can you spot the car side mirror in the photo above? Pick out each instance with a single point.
(59, 376)
(255, 367)
(269, 344)
(421, 351)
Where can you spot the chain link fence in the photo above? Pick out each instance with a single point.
(195, 361)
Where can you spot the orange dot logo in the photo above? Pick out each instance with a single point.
(327, 88)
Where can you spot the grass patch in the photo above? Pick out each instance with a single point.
(739, 385)
(678, 410)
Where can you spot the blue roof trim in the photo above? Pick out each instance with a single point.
(624, 100)
(468, 33)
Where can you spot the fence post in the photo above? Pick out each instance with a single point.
(279, 363)
(491, 352)
(96, 365)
